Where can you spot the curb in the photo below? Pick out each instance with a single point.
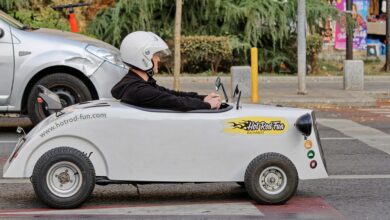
(208, 79)
(322, 103)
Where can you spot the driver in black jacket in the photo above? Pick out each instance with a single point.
(142, 52)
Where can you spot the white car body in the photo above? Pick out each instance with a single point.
(128, 143)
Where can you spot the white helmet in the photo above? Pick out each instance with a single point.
(138, 48)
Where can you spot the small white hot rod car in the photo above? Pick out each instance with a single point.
(266, 148)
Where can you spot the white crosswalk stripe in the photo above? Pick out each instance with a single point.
(382, 110)
(370, 136)
(228, 209)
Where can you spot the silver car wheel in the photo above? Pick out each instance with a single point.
(273, 180)
(66, 97)
(64, 179)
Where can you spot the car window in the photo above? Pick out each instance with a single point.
(10, 20)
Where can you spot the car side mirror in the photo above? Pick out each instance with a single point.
(219, 84)
(1, 33)
(237, 93)
(51, 99)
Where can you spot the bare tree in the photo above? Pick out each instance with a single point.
(301, 47)
(176, 71)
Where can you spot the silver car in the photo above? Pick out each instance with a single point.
(76, 67)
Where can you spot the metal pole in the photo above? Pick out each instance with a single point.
(349, 46)
(387, 67)
(176, 68)
(255, 73)
(301, 47)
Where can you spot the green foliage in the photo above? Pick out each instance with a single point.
(313, 48)
(199, 53)
(46, 18)
(113, 24)
(9, 5)
(313, 45)
(266, 24)
(35, 13)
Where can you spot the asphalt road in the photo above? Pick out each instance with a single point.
(357, 187)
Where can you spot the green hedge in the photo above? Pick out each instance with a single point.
(314, 44)
(202, 53)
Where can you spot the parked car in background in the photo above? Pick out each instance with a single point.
(77, 68)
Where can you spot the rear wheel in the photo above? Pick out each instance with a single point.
(70, 89)
(271, 179)
(63, 178)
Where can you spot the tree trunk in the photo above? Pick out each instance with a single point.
(301, 47)
(176, 72)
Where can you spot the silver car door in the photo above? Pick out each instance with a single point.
(6, 63)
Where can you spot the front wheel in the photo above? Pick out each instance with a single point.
(271, 179)
(70, 90)
(63, 178)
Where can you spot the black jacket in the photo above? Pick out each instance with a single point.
(132, 89)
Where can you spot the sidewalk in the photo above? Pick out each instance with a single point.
(321, 91)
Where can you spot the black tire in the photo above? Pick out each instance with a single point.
(70, 89)
(51, 174)
(279, 179)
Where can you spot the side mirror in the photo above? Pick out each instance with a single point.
(218, 84)
(1, 33)
(237, 92)
(51, 99)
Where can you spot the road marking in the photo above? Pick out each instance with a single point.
(375, 109)
(350, 177)
(8, 142)
(225, 209)
(381, 112)
(301, 208)
(370, 136)
(338, 138)
(14, 181)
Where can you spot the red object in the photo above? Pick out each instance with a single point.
(39, 100)
(73, 23)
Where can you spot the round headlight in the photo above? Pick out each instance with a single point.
(304, 124)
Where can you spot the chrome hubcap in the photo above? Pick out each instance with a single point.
(273, 180)
(64, 179)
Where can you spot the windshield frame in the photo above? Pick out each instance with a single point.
(10, 20)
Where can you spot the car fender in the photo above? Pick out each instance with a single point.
(31, 58)
(298, 154)
(106, 77)
(83, 62)
(23, 165)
